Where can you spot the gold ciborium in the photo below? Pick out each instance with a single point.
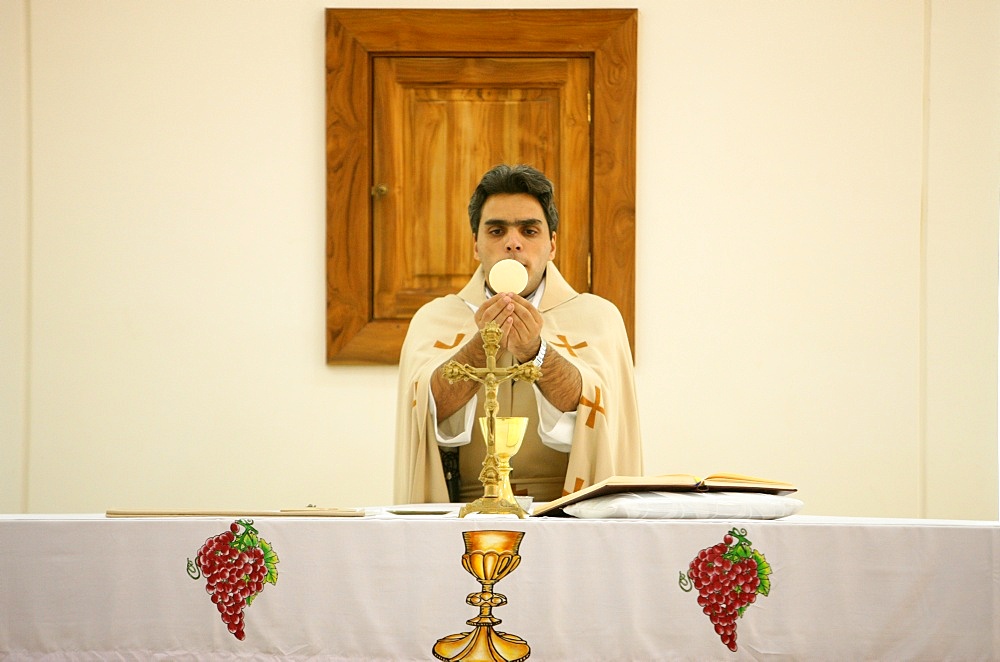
(489, 557)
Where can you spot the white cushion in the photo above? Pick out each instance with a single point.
(686, 505)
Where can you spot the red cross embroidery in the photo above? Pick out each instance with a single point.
(440, 345)
(595, 407)
(565, 344)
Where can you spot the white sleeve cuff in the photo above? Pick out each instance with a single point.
(456, 430)
(555, 428)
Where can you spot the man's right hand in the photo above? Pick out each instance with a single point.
(449, 398)
(495, 309)
(520, 324)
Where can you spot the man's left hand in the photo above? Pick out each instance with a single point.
(522, 330)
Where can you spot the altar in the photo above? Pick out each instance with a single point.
(392, 583)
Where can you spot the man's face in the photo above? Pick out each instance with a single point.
(513, 226)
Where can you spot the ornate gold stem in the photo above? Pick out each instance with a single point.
(489, 557)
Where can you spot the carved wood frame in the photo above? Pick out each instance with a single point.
(355, 36)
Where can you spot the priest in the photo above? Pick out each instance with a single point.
(583, 420)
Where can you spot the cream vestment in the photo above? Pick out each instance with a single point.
(587, 331)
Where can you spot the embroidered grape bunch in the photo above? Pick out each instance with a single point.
(236, 565)
(728, 577)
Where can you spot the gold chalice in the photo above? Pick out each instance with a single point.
(502, 443)
(509, 435)
(494, 501)
(489, 557)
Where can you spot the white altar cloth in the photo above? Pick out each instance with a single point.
(387, 587)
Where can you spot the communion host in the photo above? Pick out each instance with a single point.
(583, 420)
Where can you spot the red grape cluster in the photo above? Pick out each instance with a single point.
(235, 570)
(728, 576)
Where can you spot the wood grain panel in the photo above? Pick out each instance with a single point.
(469, 114)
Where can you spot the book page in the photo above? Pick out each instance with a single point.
(728, 479)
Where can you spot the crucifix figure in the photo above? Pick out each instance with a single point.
(494, 471)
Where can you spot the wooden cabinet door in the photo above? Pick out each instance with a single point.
(439, 124)
(419, 104)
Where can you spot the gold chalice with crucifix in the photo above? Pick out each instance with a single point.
(503, 435)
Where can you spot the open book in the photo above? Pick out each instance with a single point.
(721, 482)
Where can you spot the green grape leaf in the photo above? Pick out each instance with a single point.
(763, 573)
(270, 561)
(738, 552)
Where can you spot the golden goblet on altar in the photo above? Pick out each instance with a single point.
(498, 497)
(489, 557)
(492, 502)
(509, 435)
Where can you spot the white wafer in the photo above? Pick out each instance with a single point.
(508, 276)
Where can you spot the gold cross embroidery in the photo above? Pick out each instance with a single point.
(440, 345)
(595, 405)
(565, 344)
(414, 403)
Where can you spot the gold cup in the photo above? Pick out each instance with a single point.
(509, 437)
(489, 557)
(498, 497)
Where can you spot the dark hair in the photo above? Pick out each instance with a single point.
(514, 179)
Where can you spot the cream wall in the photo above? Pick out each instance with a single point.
(817, 255)
(14, 226)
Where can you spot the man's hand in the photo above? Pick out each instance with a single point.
(520, 322)
(521, 325)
